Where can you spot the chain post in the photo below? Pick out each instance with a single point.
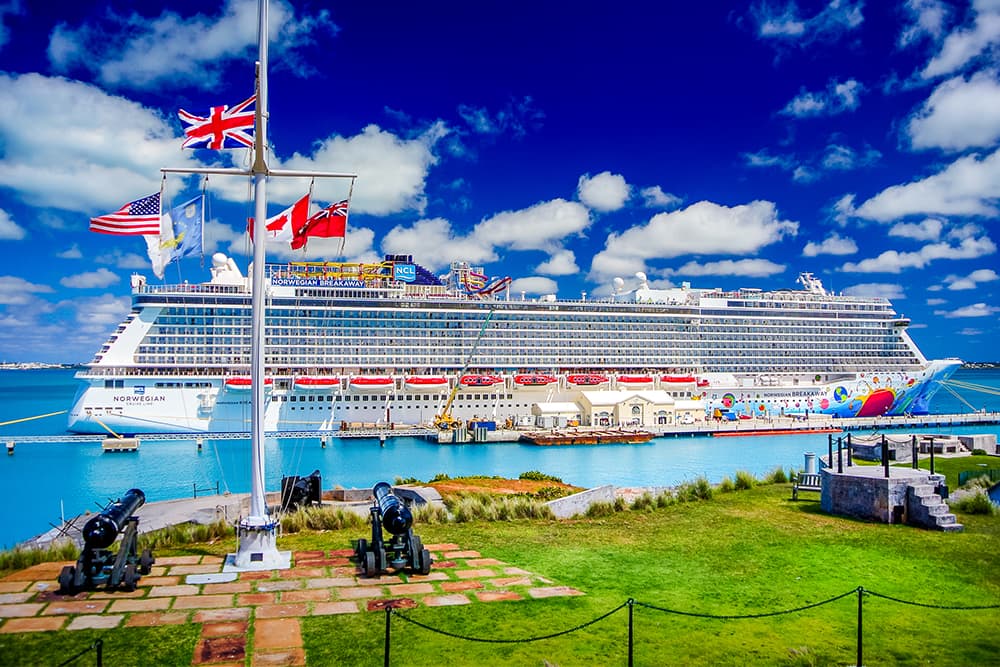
(861, 595)
(631, 606)
(385, 651)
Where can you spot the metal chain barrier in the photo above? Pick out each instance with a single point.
(508, 641)
(930, 606)
(733, 617)
(97, 645)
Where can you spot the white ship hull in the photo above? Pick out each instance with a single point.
(138, 406)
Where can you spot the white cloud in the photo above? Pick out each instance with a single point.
(123, 260)
(392, 171)
(12, 7)
(515, 118)
(436, 244)
(763, 158)
(968, 186)
(936, 302)
(891, 291)
(10, 230)
(959, 114)
(55, 156)
(533, 285)
(73, 252)
(539, 227)
(97, 315)
(604, 192)
(561, 263)
(837, 98)
(655, 197)
(703, 228)
(974, 310)
(893, 261)
(784, 24)
(966, 44)
(834, 244)
(925, 230)
(138, 51)
(971, 281)
(844, 158)
(15, 291)
(90, 279)
(927, 20)
(754, 268)
(804, 174)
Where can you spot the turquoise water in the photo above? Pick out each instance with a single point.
(42, 480)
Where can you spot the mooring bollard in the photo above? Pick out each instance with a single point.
(885, 458)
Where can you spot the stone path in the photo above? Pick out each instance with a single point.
(268, 605)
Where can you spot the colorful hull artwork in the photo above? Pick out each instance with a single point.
(867, 395)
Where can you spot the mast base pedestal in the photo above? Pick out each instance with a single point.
(257, 549)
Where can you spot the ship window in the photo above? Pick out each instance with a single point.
(329, 399)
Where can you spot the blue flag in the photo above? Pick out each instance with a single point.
(180, 234)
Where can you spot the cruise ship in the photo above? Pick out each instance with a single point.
(392, 343)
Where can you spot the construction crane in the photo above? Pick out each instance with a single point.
(444, 420)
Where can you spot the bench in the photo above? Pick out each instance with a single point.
(806, 481)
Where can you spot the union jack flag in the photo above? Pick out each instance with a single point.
(224, 127)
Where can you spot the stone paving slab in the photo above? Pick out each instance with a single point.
(33, 624)
(153, 618)
(270, 633)
(103, 622)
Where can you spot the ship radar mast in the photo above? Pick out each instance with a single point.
(812, 284)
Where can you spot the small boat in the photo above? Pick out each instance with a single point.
(533, 380)
(316, 383)
(703, 383)
(426, 382)
(480, 380)
(635, 380)
(587, 379)
(243, 383)
(370, 382)
(678, 379)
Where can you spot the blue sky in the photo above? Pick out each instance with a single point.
(723, 144)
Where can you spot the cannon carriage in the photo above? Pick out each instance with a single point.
(97, 565)
(404, 550)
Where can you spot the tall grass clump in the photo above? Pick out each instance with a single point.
(745, 480)
(698, 489)
(484, 507)
(320, 518)
(974, 502)
(644, 503)
(428, 513)
(186, 533)
(726, 486)
(776, 476)
(535, 476)
(19, 558)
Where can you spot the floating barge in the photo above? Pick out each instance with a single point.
(586, 437)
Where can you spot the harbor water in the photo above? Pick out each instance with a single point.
(44, 481)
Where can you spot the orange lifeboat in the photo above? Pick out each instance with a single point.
(586, 379)
(533, 380)
(426, 382)
(371, 382)
(316, 383)
(678, 379)
(480, 380)
(635, 381)
(243, 383)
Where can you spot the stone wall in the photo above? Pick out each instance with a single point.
(564, 508)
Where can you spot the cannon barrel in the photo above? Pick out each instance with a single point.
(102, 530)
(396, 517)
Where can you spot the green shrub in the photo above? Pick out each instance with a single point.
(428, 513)
(19, 558)
(745, 480)
(699, 489)
(726, 486)
(186, 533)
(974, 503)
(320, 518)
(551, 493)
(665, 499)
(406, 480)
(600, 509)
(535, 476)
(440, 477)
(776, 476)
(644, 503)
(979, 452)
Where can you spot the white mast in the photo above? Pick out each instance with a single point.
(257, 532)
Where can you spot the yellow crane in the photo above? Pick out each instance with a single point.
(444, 420)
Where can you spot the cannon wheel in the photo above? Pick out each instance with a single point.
(130, 577)
(380, 562)
(416, 546)
(368, 564)
(146, 561)
(425, 561)
(66, 579)
(361, 549)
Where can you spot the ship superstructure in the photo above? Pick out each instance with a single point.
(387, 342)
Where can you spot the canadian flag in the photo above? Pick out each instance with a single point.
(288, 223)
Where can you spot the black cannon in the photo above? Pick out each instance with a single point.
(96, 565)
(301, 491)
(403, 550)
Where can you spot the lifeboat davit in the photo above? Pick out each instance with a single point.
(426, 382)
(371, 382)
(635, 381)
(244, 383)
(587, 379)
(533, 380)
(480, 380)
(316, 383)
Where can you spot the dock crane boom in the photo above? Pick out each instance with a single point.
(444, 420)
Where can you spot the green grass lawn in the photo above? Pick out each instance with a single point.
(741, 553)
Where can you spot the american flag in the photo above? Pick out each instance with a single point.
(139, 217)
(224, 127)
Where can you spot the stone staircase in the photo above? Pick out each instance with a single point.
(925, 508)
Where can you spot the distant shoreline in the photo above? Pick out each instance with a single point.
(32, 366)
